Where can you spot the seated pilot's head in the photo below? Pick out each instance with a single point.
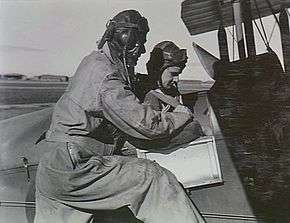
(126, 34)
(164, 66)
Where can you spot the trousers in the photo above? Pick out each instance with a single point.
(66, 192)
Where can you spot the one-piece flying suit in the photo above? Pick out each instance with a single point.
(80, 175)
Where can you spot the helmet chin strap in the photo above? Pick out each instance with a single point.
(125, 66)
(130, 78)
(125, 53)
(122, 52)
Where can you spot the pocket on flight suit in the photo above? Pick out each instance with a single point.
(75, 154)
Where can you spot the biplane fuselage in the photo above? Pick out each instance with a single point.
(224, 200)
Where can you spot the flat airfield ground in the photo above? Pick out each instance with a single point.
(20, 97)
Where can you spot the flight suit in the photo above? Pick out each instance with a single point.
(81, 175)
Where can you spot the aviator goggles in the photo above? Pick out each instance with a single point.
(176, 57)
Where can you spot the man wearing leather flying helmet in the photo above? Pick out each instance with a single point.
(165, 65)
(126, 36)
(80, 174)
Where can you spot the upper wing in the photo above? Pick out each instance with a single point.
(202, 16)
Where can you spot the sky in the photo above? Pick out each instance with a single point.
(52, 36)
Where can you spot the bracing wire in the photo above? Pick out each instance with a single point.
(233, 36)
(272, 11)
(234, 42)
(271, 35)
(262, 25)
(261, 35)
(232, 33)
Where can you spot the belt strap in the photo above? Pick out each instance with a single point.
(89, 146)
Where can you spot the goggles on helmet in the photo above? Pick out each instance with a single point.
(141, 26)
(138, 31)
(176, 57)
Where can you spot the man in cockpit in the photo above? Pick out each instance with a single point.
(81, 174)
(166, 63)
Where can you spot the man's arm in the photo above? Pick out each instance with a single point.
(123, 109)
(153, 101)
(187, 134)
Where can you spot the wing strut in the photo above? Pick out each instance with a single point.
(285, 38)
(222, 37)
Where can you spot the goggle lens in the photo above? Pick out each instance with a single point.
(176, 57)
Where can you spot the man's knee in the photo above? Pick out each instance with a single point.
(155, 171)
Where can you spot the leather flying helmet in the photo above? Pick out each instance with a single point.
(125, 30)
(165, 54)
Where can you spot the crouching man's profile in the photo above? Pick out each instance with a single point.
(82, 173)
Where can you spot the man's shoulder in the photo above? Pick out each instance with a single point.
(92, 70)
(97, 61)
(98, 57)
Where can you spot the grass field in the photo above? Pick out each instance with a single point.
(21, 92)
(13, 94)
(6, 113)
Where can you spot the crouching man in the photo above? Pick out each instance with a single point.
(82, 174)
